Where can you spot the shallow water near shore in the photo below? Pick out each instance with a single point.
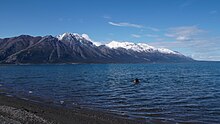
(181, 92)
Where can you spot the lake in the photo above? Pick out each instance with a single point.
(172, 92)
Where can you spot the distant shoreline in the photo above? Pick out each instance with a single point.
(15, 110)
(100, 63)
(13, 64)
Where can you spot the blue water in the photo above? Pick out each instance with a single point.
(183, 92)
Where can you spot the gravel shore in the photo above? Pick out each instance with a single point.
(19, 111)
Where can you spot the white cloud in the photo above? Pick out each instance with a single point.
(135, 35)
(183, 33)
(182, 38)
(186, 3)
(201, 48)
(107, 17)
(126, 24)
(152, 35)
(197, 42)
(153, 29)
(169, 35)
(147, 35)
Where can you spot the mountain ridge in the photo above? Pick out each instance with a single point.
(75, 48)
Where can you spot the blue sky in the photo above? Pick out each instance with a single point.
(188, 26)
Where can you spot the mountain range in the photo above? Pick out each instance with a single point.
(75, 48)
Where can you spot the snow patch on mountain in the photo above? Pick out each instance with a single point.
(164, 50)
(86, 37)
(129, 46)
(72, 36)
(138, 47)
(69, 36)
(89, 39)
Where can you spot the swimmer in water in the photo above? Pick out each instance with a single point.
(136, 81)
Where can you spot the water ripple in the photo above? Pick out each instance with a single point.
(168, 93)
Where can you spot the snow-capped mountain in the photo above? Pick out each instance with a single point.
(77, 37)
(139, 47)
(76, 48)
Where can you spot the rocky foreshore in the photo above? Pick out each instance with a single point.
(18, 111)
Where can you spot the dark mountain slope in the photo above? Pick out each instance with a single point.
(72, 48)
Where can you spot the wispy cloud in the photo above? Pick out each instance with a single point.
(107, 17)
(126, 24)
(152, 35)
(184, 33)
(186, 3)
(135, 35)
(153, 29)
(144, 35)
(213, 58)
(191, 41)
